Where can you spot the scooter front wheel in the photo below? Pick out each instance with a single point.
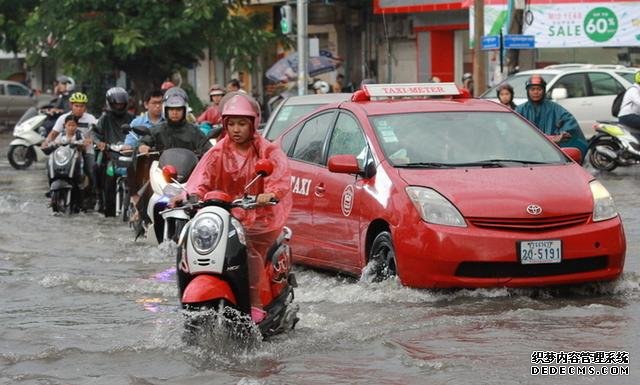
(600, 161)
(20, 156)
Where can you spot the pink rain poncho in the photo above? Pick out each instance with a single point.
(228, 169)
(224, 168)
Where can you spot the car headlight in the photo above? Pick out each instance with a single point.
(603, 206)
(206, 233)
(434, 208)
(62, 155)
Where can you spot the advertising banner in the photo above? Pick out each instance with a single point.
(572, 25)
(585, 25)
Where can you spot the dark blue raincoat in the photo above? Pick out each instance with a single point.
(552, 119)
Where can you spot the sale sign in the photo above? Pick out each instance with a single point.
(584, 25)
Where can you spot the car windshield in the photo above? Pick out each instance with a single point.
(518, 82)
(462, 139)
(287, 115)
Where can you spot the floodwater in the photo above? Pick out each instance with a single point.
(84, 304)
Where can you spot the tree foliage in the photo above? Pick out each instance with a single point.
(12, 18)
(147, 39)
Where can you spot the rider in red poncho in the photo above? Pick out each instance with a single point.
(229, 166)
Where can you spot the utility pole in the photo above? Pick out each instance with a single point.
(301, 14)
(479, 70)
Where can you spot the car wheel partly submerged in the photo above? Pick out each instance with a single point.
(382, 259)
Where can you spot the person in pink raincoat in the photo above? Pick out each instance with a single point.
(229, 166)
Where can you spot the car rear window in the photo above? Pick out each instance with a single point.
(287, 115)
(457, 138)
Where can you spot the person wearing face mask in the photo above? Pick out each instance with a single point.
(229, 166)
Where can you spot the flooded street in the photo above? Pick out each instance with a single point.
(84, 304)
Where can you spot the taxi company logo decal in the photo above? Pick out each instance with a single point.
(534, 209)
(347, 200)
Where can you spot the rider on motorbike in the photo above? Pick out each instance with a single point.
(629, 114)
(175, 132)
(229, 166)
(108, 130)
(85, 120)
(551, 118)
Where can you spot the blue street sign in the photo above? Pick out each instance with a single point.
(490, 42)
(519, 42)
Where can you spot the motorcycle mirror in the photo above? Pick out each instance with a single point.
(141, 130)
(264, 167)
(216, 129)
(169, 173)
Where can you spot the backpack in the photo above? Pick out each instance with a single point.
(617, 103)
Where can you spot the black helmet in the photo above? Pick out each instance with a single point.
(117, 95)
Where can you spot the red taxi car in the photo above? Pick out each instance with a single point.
(443, 190)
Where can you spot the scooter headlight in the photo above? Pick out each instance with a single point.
(62, 155)
(206, 233)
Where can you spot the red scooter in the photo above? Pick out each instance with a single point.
(212, 268)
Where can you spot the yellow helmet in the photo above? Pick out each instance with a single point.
(78, 97)
(637, 77)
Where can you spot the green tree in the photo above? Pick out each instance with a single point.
(147, 39)
(12, 18)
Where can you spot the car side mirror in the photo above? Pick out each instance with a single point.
(573, 153)
(559, 93)
(344, 164)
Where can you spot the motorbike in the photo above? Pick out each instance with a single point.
(116, 193)
(66, 178)
(212, 267)
(613, 145)
(29, 134)
(178, 163)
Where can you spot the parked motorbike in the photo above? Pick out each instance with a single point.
(613, 145)
(212, 267)
(66, 178)
(29, 134)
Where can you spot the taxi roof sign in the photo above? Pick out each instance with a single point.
(411, 89)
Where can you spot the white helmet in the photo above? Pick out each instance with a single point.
(321, 86)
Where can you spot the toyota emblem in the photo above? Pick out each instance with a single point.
(534, 209)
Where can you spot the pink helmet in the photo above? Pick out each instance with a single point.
(240, 104)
